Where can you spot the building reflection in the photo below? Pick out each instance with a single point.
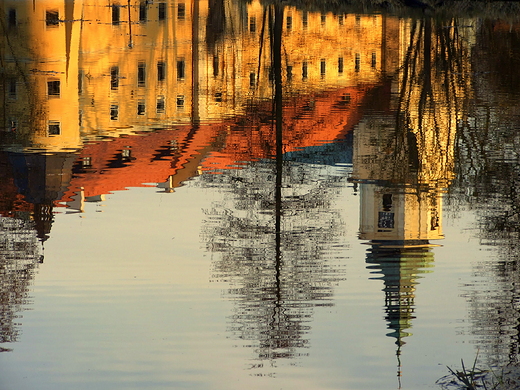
(404, 162)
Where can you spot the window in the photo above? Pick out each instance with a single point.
(323, 68)
(323, 19)
(161, 71)
(141, 74)
(143, 11)
(53, 128)
(340, 65)
(11, 18)
(385, 220)
(180, 102)
(252, 80)
(114, 77)
(305, 20)
(289, 72)
(162, 11)
(160, 105)
(252, 24)
(81, 76)
(374, 60)
(181, 11)
(340, 20)
(357, 65)
(53, 88)
(289, 22)
(116, 14)
(114, 112)
(52, 18)
(12, 88)
(304, 71)
(86, 162)
(181, 69)
(215, 66)
(218, 97)
(141, 107)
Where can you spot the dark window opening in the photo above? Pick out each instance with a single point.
(387, 202)
(289, 22)
(12, 88)
(11, 18)
(181, 69)
(340, 20)
(357, 65)
(143, 11)
(323, 19)
(141, 108)
(52, 18)
(116, 14)
(114, 112)
(141, 74)
(161, 71)
(54, 128)
(340, 65)
(252, 80)
(114, 77)
(215, 66)
(160, 106)
(181, 11)
(218, 97)
(180, 101)
(289, 73)
(374, 60)
(252, 24)
(305, 19)
(53, 88)
(305, 73)
(162, 11)
(323, 68)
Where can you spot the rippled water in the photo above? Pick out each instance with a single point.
(230, 195)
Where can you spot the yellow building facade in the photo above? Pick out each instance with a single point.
(79, 70)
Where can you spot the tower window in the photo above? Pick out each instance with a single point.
(53, 128)
(53, 88)
(52, 18)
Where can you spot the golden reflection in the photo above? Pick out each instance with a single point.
(404, 161)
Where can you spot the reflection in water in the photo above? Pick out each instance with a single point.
(489, 179)
(404, 162)
(276, 285)
(19, 258)
(115, 95)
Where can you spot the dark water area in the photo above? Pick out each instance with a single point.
(227, 195)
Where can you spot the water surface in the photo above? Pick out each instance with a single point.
(229, 195)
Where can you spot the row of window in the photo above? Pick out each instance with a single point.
(141, 73)
(305, 21)
(52, 16)
(54, 86)
(160, 107)
(144, 10)
(323, 69)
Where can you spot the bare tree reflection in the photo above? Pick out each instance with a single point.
(488, 181)
(19, 258)
(276, 288)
